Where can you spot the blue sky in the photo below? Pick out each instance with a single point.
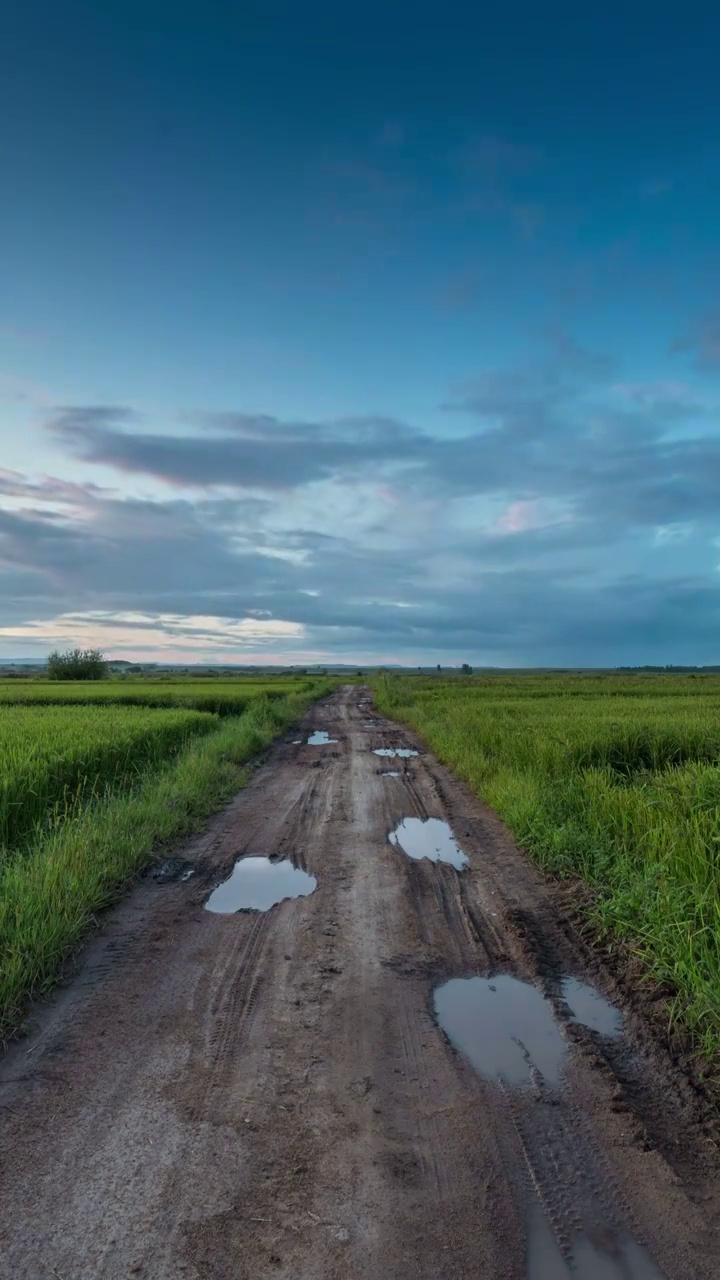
(374, 334)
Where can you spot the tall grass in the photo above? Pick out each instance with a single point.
(51, 890)
(53, 759)
(622, 790)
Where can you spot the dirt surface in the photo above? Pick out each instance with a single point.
(234, 1097)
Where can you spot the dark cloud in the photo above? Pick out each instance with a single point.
(252, 452)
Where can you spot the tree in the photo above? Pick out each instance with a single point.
(77, 664)
(466, 669)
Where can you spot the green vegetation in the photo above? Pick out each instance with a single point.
(225, 698)
(612, 778)
(53, 759)
(102, 789)
(77, 664)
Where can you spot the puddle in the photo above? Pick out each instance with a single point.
(390, 773)
(256, 884)
(394, 751)
(320, 739)
(505, 1028)
(590, 1008)
(628, 1260)
(296, 742)
(171, 869)
(428, 838)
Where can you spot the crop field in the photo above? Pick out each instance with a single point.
(96, 779)
(230, 697)
(54, 758)
(614, 779)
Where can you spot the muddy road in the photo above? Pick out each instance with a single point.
(413, 1069)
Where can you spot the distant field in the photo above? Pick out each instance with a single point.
(94, 778)
(612, 778)
(230, 697)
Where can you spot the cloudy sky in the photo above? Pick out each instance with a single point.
(368, 333)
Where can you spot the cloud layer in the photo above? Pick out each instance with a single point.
(562, 516)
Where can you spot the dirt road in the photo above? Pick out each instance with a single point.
(269, 1094)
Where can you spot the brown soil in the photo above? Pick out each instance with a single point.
(269, 1095)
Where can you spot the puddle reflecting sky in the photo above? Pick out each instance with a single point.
(320, 739)
(257, 884)
(428, 838)
(394, 751)
(503, 1026)
(628, 1260)
(591, 1008)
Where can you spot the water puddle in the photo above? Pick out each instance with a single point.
(590, 1008)
(390, 773)
(503, 1026)
(296, 742)
(257, 884)
(628, 1260)
(320, 739)
(428, 838)
(394, 751)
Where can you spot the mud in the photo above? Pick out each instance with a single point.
(257, 884)
(270, 1096)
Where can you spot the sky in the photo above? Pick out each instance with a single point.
(383, 333)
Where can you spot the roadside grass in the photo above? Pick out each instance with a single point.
(51, 889)
(623, 792)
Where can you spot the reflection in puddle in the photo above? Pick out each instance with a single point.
(428, 838)
(627, 1261)
(390, 773)
(256, 884)
(296, 742)
(590, 1008)
(394, 751)
(320, 739)
(503, 1026)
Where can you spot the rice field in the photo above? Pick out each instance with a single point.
(94, 782)
(54, 758)
(229, 698)
(613, 779)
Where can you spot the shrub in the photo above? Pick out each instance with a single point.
(77, 664)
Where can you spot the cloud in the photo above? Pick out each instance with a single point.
(392, 134)
(489, 155)
(545, 514)
(702, 342)
(244, 450)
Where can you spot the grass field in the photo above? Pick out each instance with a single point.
(228, 697)
(615, 779)
(55, 758)
(89, 793)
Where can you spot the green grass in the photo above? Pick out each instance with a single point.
(53, 759)
(52, 886)
(230, 697)
(613, 779)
